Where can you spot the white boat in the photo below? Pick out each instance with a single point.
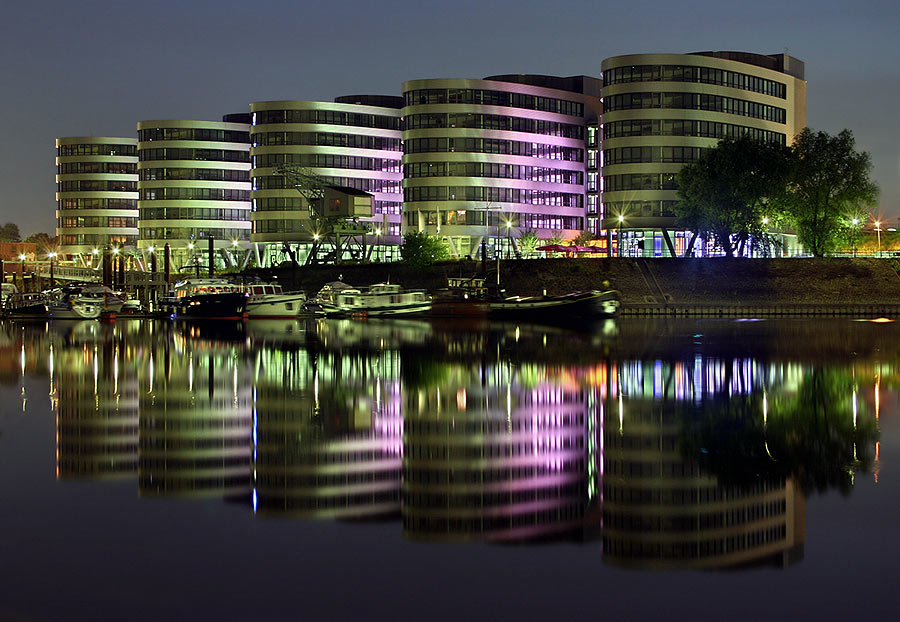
(268, 300)
(75, 307)
(380, 300)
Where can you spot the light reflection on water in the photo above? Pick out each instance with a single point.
(665, 444)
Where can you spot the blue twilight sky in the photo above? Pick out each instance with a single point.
(96, 68)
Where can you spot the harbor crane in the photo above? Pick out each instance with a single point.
(333, 231)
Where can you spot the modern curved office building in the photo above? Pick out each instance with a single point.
(352, 142)
(195, 185)
(661, 111)
(485, 160)
(96, 194)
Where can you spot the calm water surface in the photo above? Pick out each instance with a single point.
(633, 469)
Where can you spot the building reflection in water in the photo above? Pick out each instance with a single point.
(195, 415)
(95, 390)
(492, 450)
(326, 433)
(495, 433)
(661, 509)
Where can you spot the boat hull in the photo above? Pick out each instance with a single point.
(223, 306)
(578, 305)
(377, 311)
(275, 306)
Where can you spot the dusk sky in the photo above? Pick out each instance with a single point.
(92, 68)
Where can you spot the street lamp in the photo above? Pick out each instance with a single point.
(878, 233)
(52, 257)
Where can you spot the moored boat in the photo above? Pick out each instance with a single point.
(207, 299)
(268, 300)
(380, 300)
(593, 304)
(18, 305)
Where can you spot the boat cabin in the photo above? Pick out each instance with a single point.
(199, 287)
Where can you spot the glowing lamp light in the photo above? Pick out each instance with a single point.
(508, 224)
(765, 220)
(234, 242)
(190, 246)
(877, 224)
(621, 218)
(115, 251)
(377, 231)
(855, 221)
(51, 255)
(95, 251)
(150, 249)
(22, 257)
(316, 236)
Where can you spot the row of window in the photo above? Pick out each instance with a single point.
(690, 495)
(695, 101)
(193, 233)
(703, 75)
(493, 122)
(678, 127)
(493, 98)
(198, 194)
(193, 213)
(326, 139)
(84, 239)
(119, 168)
(188, 133)
(493, 145)
(640, 209)
(630, 155)
(498, 195)
(98, 204)
(486, 169)
(640, 181)
(459, 499)
(95, 185)
(280, 204)
(205, 155)
(281, 226)
(642, 548)
(327, 160)
(326, 117)
(694, 521)
(278, 182)
(68, 222)
(102, 150)
(202, 174)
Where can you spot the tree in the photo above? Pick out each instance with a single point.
(10, 233)
(420, 249)
(829, 184)
(732, 192)
(528, 242)
(44, 241)
(584, 237)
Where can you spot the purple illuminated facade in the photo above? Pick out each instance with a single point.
(485, 160)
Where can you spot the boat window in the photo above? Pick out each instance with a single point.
(289, 306)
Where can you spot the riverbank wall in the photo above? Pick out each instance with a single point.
(709, 286)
